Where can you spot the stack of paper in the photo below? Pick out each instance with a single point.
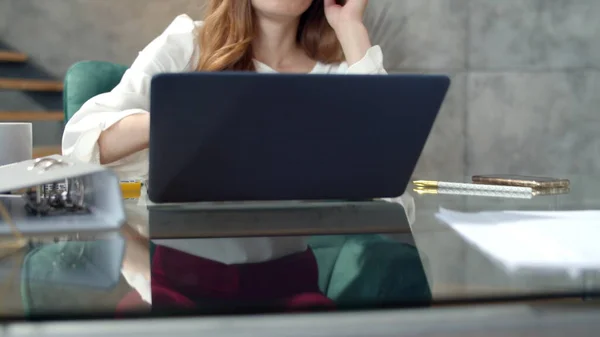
(567, 241)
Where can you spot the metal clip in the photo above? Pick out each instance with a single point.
(57, 197)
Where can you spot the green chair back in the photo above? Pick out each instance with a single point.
(87, 79)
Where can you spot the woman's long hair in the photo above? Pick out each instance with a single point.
(226, 36)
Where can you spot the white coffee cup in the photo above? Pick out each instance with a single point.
(16, 142)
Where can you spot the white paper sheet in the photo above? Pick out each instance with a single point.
(567, 241)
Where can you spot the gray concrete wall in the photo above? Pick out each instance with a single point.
(525, 72)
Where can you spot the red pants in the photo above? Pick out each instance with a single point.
(183, 281)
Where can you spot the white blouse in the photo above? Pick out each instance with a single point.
(177, 50)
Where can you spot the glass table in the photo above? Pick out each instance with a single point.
(333, 256)
(458, 270)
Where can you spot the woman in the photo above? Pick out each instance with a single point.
(299, 36)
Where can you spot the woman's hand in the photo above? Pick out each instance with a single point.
(351, 13)
(347, 22)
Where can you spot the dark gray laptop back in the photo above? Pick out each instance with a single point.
(248, 136)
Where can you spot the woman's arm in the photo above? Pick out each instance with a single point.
(113, 128)
(347, 22)
(355, 42)
(126, 137)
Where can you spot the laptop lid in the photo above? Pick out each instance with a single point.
(233, 136)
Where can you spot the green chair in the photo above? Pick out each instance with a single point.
(353, 269)
(87, 79)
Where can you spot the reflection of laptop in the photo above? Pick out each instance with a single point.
(248, 136)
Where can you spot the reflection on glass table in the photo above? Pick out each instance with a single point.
(328, 257)
(323, 272)
(281, 272)
(47, 278)
(330, 272)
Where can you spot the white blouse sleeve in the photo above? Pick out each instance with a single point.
(173, 51)
(370, 64)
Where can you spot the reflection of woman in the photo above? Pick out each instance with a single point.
(301, 36)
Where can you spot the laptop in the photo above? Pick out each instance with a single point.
(242, 136)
